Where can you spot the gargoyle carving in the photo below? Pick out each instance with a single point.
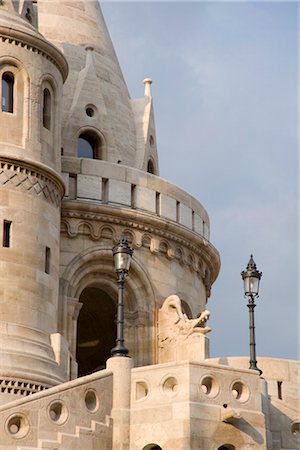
(175, 326)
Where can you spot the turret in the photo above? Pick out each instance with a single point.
(32, 72)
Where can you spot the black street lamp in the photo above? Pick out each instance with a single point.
(122, 257)
(251, 277)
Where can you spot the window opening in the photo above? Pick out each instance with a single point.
(46, 109)
(150, 167)
(47, 260)
(157, 203)
(133, 195)
(8, 92)
(89, 146)
(279, 389)
(6, 233)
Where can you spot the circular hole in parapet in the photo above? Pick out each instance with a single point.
(17, 426)
(240, 391)
(170, 386)
(91, 400)
(58, 412)
(209, 386)
(295, 430)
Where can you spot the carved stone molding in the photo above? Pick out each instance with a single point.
(154, 233)
(20, 387)
(30, 180)
(35, 44)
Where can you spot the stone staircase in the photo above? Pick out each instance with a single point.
(83, 437)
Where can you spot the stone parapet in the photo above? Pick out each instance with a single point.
(122, 186)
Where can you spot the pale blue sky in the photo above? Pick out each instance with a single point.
(225, 95)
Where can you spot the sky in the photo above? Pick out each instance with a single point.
(225, 88)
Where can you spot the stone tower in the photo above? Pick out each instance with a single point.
(60, 289)
(32, 73)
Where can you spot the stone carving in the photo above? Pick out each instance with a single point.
(30, 181)
(179, 336)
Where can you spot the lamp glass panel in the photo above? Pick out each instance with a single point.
(251, 285)
(122, 261)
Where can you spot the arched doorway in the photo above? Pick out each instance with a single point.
(96, 330)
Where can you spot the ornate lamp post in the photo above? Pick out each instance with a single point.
(122, 257)
(251, 277)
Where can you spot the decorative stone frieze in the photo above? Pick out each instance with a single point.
(172, 240)
(20, 387)
(32, 180)
(35, 44)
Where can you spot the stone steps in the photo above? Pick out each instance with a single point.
(81, 433)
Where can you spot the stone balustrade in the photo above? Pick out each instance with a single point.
(126, 187)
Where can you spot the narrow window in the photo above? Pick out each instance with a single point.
(150, 167)
(47, 260)
(177, 211)
(279, 389)
(105, 190)
(6, 233)
(157, 204)
(8, 92)
(133, 195)
(46, 109)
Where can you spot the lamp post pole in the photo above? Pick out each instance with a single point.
(122, 257)
(251, 305)
(120, 349)
(251, 277)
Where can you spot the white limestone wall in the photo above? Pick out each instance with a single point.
(282, 378)
(74, 415)
(196, 406)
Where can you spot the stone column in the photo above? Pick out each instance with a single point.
(121, 367)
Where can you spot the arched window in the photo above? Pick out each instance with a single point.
(8, 92)
(47, 109)
(89, 146)
(150, 167)
(226, 447)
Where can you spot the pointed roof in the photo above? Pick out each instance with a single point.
(78, 26)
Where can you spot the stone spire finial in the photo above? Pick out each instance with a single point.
(147, 82)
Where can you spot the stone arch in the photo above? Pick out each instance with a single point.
(226, 447)
(20, 102)
(96, 141)
(151, 167)
(93, 268)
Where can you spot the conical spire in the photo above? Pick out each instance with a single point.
(74, 26)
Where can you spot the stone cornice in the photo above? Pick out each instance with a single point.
(36, 44)
(143, 222)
